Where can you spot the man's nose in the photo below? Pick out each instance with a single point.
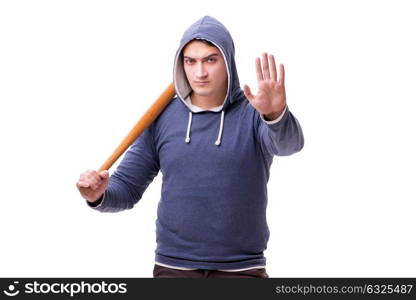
(201, 72)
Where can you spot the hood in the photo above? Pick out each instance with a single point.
(210, 29)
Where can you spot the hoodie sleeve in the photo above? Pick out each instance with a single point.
(133, 175)
(282, 136)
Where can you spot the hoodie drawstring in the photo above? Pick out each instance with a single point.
(188, 138)
(218, 141)
(188, 130)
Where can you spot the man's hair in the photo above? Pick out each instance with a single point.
(199, 40)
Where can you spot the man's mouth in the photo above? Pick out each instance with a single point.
(201, 82)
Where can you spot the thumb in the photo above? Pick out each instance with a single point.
(104, 174)
(248, 93)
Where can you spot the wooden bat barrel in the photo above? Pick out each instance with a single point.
(149, 116)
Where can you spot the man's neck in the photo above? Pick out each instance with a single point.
(207, 102)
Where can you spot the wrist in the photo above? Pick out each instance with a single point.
(274, 115)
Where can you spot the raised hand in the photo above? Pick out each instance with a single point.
(270, 100)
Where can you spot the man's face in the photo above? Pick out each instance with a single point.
(205, 69)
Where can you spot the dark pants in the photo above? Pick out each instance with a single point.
(164, 272)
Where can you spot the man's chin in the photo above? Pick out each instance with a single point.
(203, 92)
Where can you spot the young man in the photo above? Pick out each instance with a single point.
(214, 144)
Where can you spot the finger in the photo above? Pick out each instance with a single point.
(95, 184)
(104, 174)
(93, 179)
(258, 70)
(94, 187)
(266, 71)
(87, 175)
(281, 74)
(82, 184)
(248, 93)
(273, 72)
(94, 176)
(83, 175)
(89, 172)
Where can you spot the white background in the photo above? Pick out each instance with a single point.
(75, 76)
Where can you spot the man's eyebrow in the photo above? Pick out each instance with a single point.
(206, 57)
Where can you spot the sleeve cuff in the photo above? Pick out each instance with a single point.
(276, 120)
(97, 203)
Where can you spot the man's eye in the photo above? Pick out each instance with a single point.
(212, 59)
(189, 61)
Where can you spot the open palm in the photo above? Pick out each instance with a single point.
(270, 99)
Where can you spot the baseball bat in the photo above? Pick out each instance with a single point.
(148, 117)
